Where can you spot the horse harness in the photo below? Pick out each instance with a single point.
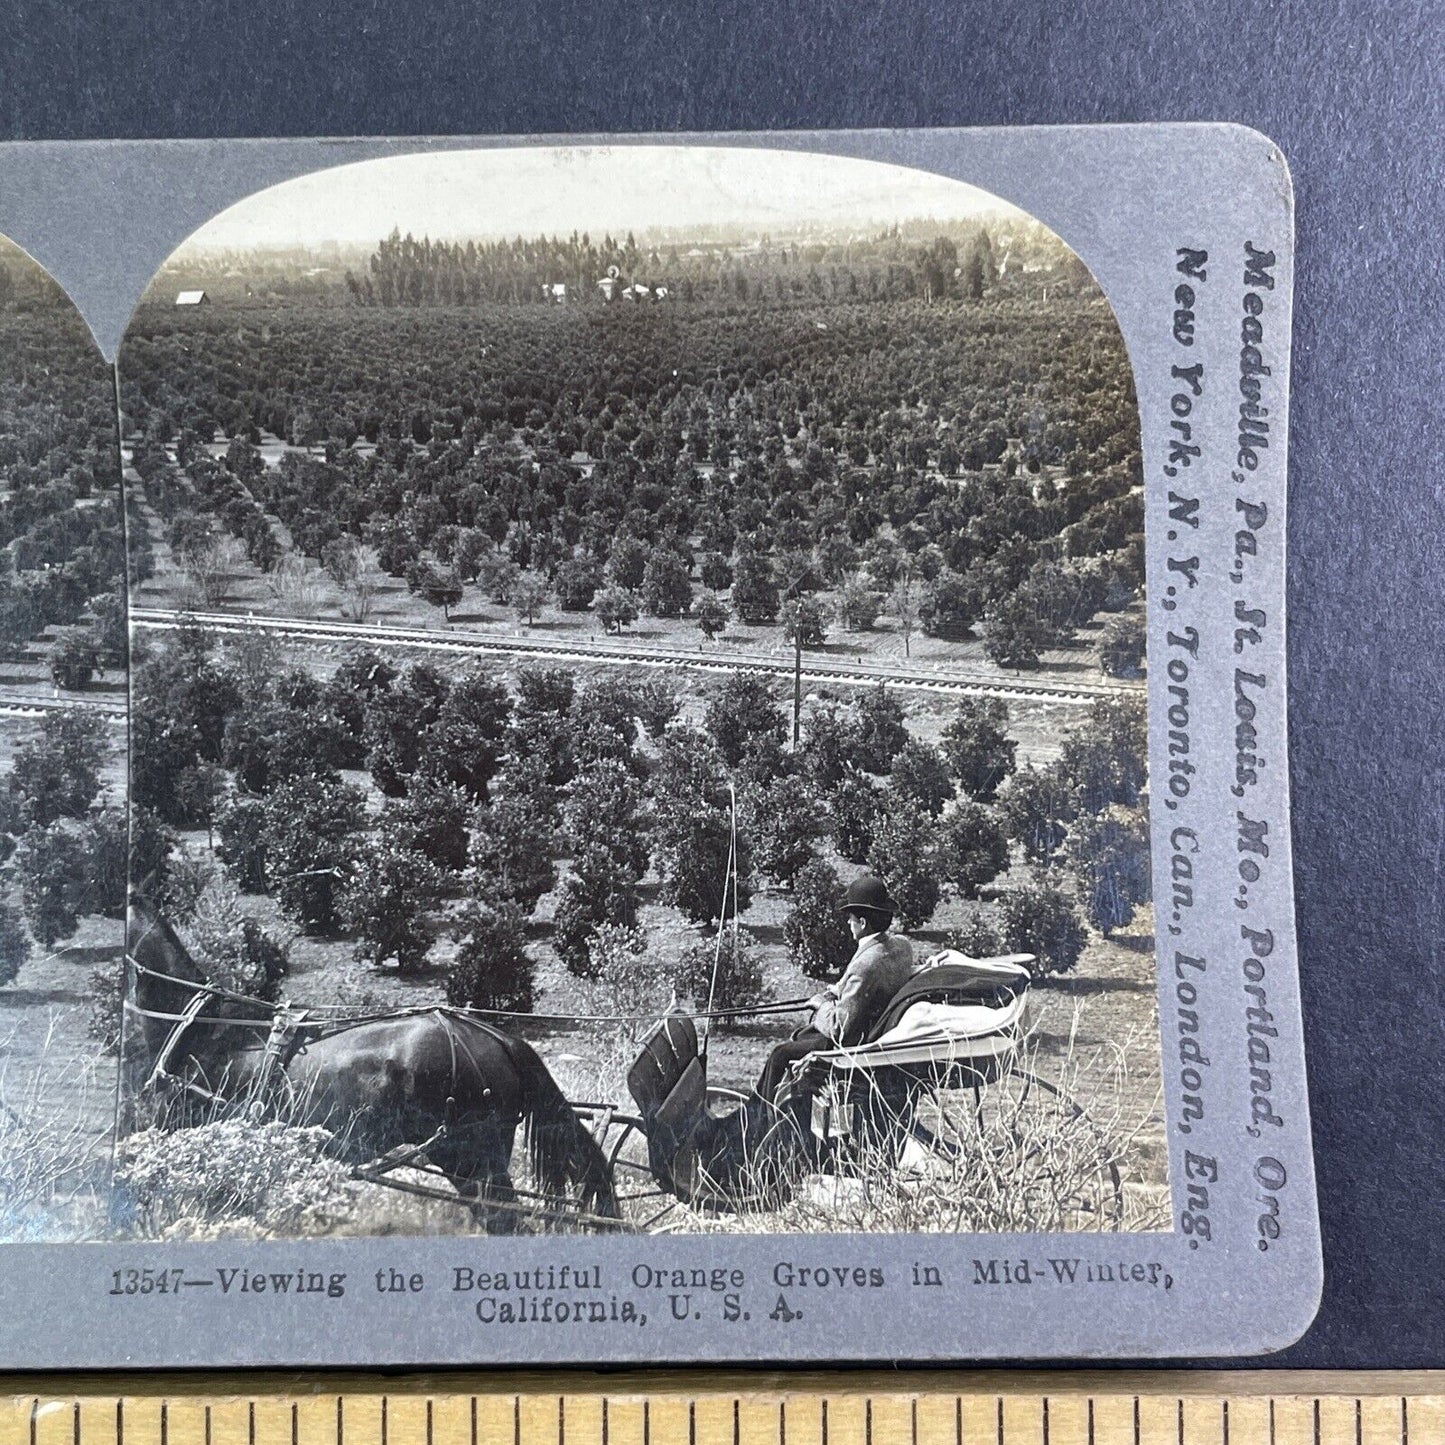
(287, 1037)
(160, 1076)
(289, 1030)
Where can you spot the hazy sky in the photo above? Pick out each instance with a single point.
(547, 190)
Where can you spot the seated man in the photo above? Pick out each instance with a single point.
(845, 1011)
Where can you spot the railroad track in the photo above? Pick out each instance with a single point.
(814, 669)
(40, 706)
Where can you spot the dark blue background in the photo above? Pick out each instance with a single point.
(1353, 95)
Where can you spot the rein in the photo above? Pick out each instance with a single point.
(341, 1018)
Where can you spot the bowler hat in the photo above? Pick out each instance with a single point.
(868, 894)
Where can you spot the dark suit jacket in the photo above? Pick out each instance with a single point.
(881, 966)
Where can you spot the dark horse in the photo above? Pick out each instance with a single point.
(434, 1082)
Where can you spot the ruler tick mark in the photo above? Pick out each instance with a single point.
(1232, 1428)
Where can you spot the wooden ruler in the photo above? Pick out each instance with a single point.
(854, 1408)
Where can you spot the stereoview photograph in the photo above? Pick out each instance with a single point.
(638, 716)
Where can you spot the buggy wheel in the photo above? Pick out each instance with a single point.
(624, 1146)
(1016, 1154)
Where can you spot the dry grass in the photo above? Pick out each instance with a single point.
(229, 1177)
(53, 1165)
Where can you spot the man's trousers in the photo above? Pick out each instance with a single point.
(810, 1041)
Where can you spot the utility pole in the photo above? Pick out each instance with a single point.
(792, 595)
(797, 682)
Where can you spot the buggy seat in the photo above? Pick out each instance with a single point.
(954, 1012)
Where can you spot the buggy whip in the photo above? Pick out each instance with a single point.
(730, 881)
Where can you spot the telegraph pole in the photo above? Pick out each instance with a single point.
(797, 681)
(793, 595)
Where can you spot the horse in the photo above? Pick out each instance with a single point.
(435, 1083)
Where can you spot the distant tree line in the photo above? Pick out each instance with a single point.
(956, 262)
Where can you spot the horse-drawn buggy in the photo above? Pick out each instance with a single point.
(428, 1101)
(956, 1024)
